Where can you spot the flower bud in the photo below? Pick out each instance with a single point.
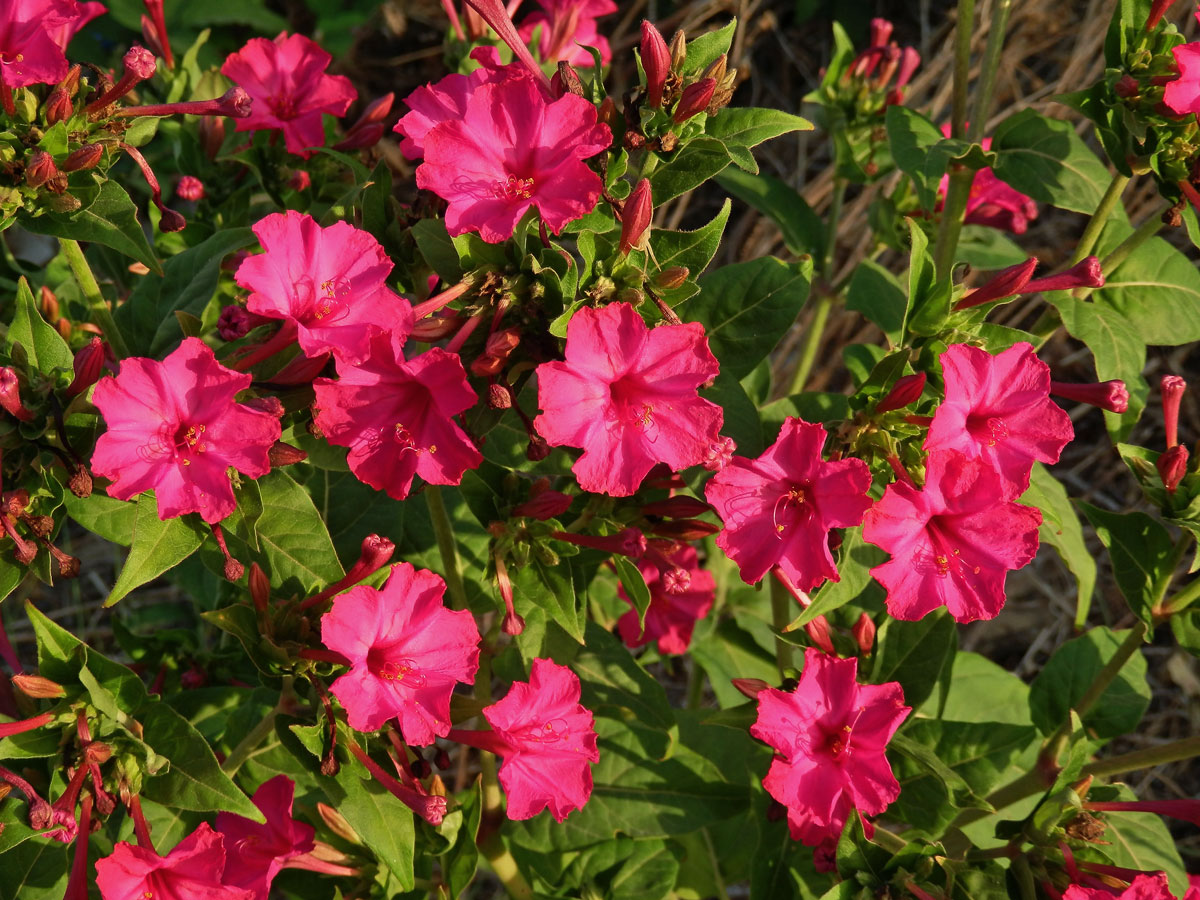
(499, 396)
(1127, 87)
(1085, 274)
(1172, 466)
(360, 137)
(685, 529)
(89, 366)
(678, 51)
(237, 321)
(1157, 10)
(260, 587)
(906, 390)
(538, 449)
(139, 63)
(750, 687)
(10, 395)
(695, 99)
(59, 106)
(40, 168)
(38, 688)
(299, 180)
(1005, 283)
(190, 188)
(1172, 388)
(212, 135)
(566, 80)
(547, 504)
(86, 157)
(628, 542)
(719, 454)
(864, 634)
(676, 580)
(282, 454)
(1110, 395)
(818, 632)
(910, 59)
(680, 507)
(656, 60)
(49, 305)
(716, 69)
(881, 32)
(337, 823)
(635, 218)
(671, 277)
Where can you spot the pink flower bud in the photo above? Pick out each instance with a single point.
(910, 59)
(906, 390)
(1187, 810)
(676, 508)
(547, 504)
(190, 188)
(377, 110)
(88, 366)
(694, 99)
(360, 137)
(10, 395)
(38, 688)
(281, 454)
(59, 106)
(635, 218)
(1005, 283)
(750, 687)
(86, 157)
(1172, 466)
(881, 32)
(299, 180)
(1172, 388)
(8, 729)
(40, 168)
(1157, 9)
(719, 454)
(139, 63)
(818, 632)
(1110, 395)
(1086, 274)
(864, 634)
(656, 60)
(1126, 87)
(629, 542)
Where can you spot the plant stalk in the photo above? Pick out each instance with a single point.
(1152, 226)
(97, 308)
(444, 531)
(259, 732)
(780, 602)
(964, 29)
(812, 343)
(987, 75)
(1099, 218)
(1175, 751)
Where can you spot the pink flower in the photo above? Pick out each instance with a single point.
(329, 284)
(953, 542)
(287, 81)
(627, 395)
(1143, 887)
(680, 594)
(1182, 96)
(34, 35)
(992, 202)
(547, 740)
(406, 652)
(829, 735)
(174, 428)
(192, 871)
(257, 853)
(446, 101)
(567, 27)
(778, 509)
(513, 149)
(395, 416)
(998, 410)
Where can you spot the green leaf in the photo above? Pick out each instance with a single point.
(156, 546)
(1141, 840)
(920, 150)
(1047, 160)
(14, 824)
(974, 676)
(704, 50)
(748, 307)
(635, 587)
(111, 220)
(1142, 553)
(44, 346)
(741, 420)
(615, 685)
(877, 294)
(294, 537)
(725, 652)
(741, 127)
(648, 874)
(855, 559)
(916, 654)
(545, 594)
(1070, 672)
(693, 250)
(106, 516)
(35, 870)
(461, 861)
(1060, 529)
(435, 245)
(802, 229)
(1157, 289)
(987, 248)
(194, 779)
(689, 168)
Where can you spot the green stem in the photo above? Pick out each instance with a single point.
(887, 840)
(1024, 877)
(780, 610)
(1112, 262)
(831, 227)
(444, 532)
(1182, 599)
(1175, 751)
(955, 207)
(964, 30)
(718, 881)
(259, 732)
(987, 75)
(1099, 218)
(97, 308)
(502, 862)
(812, 342)
(695, 688)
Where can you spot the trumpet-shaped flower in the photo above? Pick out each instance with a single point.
(286, 80)
(681, 593)
(829, 736)
(191, 871)
(327, 283)
(174, 428)
(567, 26)
(952, 542)
(257, 853)
(510, 150)
(34, 35)
(395, 416)
(998, 410)
(406, 652)
(627, 395)
(778, 509)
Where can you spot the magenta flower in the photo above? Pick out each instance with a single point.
(778, 509)
(189, 872)
(998, 410)
(567, 27)
(1145, 886)
(257, 853)
(829, 736)
(1182, 96)
(174, 428)
(992, 202)
(446, 101)
(395, 416)
(34, 35)
(329, 284)
(627, 395)
(952, 542)
(680, 594)
(287, 81)
(513, 149)
(547, 741)
(406, 652)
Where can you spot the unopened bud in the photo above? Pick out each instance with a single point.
(97, 752)
(716, 69)
(282, 454)
(269, 405)
(548, 504)
(1172, 388)
(88, 366)
(1157, 9)
(86, 157)
(906, 390)
(10, 395)
(441, 759)
(49, 305)
(1085, 274)
(360, 137)
(818, 632)
(1110, 395)
(676, 508)
(750, 687)
(260, 587)
(299, 180)
(684, 529)
(337, 823)
(864, 634)
(635, 218)
(513, 624)
(678, 51)
(1127, 87)
(538, 449)
(1172, 466)
(609, 116)
(499, 396)
(1005, 283)
(566, 80)
(695, 99)
(881, 32)
(237, 321)
(719, 454)
(40, 168)
(139, 63)
(38, 688)
(59, 106)
(212, 135)
(671, 277)
(656, 61)
(190, 188)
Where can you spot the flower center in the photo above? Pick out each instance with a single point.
(282, 107)
(837, 743)
(545, 733)
(943, 558)
(629, 401)
(989, 430)
(513, 188)
(397, 670)
(328, 305)
(189, 440)
(791, 508)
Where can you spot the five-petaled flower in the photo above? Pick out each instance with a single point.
(406, 652)
(627, 395)
(192, 870)
(829, 736)
(174, 428)
(567, 27)
(681, 593)
(34, 35)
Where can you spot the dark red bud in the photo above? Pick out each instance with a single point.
(864, 634)
(212, 135)
(10, 395)
(299, 180)
(548, 504)
(377, 110)
(499, 396)
(881, 32)
(818, 633)
(260, 587)
(656, 60)
(360, 137)
(694, 99)
(1172, 466)
(684, 529)
(538, 449)
(676, 508)
(86, 157)
(40, 168)
(59, 106)
(1110, 395)
(906, 390)
(629, 542)
(1127, 86)
(282, 454)
(89, 366)
(1172, 388)
(236, 322)
(1085, 274)
(750, 687)
(635, 217)
(513, 624)
(1157, 10)
(1005, 283)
